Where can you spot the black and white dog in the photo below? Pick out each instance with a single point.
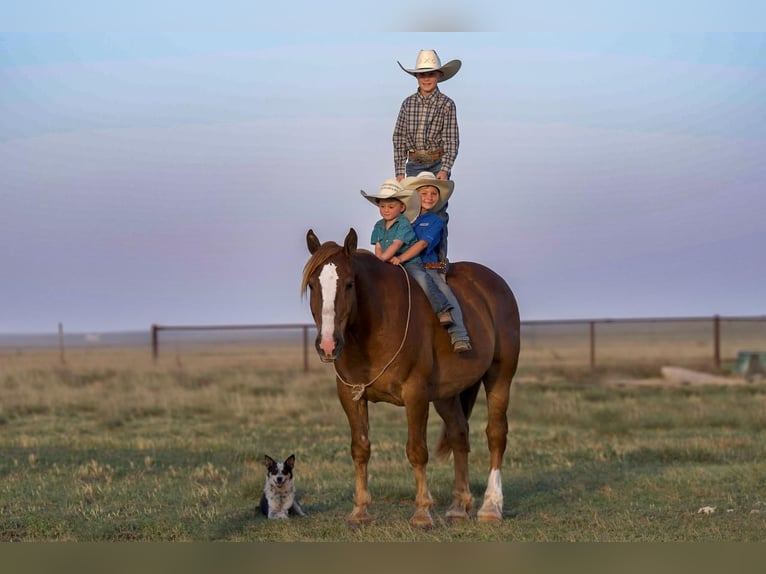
(278, 499)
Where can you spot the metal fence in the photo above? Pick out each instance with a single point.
(712, 341)
(588, 342)
(304, 328)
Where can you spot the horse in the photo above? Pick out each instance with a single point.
(363, 307)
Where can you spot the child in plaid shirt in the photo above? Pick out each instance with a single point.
(426, 136)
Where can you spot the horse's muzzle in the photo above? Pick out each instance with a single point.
(328, 349)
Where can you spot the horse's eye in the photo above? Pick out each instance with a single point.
(349, 285)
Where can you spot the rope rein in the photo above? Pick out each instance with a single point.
(359, 389)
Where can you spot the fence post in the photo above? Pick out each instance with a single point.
(305, 348)
(592, 345)
(62, 353)
(155, 343)
(717, 341)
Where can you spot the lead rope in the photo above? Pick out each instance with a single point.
(359, 389)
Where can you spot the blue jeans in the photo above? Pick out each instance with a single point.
(412, 169)
(457, 330)
(439, 302)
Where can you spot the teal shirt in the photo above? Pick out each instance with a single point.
(401, 229)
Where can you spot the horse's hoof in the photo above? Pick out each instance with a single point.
(491, 511)
(422, 524)
(422, 520)
(457, 515)
(359, 519)
(489, 517)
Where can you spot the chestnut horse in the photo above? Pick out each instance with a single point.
(378, 328)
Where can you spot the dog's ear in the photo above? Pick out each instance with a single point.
(268, 461)
(290, 462)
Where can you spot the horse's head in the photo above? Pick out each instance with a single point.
(329, 277)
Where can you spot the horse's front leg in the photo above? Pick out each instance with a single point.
(417, 453)
(358, 421)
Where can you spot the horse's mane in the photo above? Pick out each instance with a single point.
(320, 257)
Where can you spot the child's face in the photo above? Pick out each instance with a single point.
(427, 81)
(429, 196)
(390, 208)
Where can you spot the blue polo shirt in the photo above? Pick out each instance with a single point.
(428, 227)
(400, 229)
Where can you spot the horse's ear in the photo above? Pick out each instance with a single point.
(312, 241)
(351, 240)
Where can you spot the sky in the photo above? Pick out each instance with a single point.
(611, 159)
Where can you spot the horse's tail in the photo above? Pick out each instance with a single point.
(467, 401)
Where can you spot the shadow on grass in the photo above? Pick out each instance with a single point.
(546, 491)
(235, 524)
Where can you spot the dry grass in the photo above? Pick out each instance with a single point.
(112, 446)
(193, 357)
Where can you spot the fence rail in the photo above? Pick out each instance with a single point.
(287, 326)
(715, 322)
(714, 333)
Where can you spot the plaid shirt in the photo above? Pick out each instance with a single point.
(426, 124)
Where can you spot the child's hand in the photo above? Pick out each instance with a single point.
(395, 260)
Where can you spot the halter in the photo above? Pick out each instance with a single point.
(359, 389)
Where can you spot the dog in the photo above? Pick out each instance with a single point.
(278, 498)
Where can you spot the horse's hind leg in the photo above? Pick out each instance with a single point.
(498, 387)
(467, 400)
(455, 438)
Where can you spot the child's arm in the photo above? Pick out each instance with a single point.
(414, 250)
(388, 253)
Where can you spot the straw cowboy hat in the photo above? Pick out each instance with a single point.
(445, 187)
(428, 61)
(392, 189)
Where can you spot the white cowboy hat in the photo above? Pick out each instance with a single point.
(445, 187)
(392, 189)
(428, 61)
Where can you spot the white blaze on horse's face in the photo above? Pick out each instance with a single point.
(328, 281)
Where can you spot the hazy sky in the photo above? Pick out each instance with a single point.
(170, 176)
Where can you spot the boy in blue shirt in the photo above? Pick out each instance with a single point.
(434, 193)
(393, 235)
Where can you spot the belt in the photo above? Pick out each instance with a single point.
(441, 265)
(425, 155)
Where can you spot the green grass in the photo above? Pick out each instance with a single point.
(127, 453)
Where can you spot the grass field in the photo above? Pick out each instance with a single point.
(110, 447)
